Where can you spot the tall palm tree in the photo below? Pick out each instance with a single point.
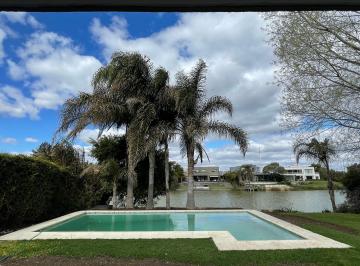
(322, 151)
(114, 102)
(195, 120)
(157, 123)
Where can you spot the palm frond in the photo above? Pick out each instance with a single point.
(215, 104)
(230, 131)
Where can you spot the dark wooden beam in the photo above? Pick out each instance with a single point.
(177, 5)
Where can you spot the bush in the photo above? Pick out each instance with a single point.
(33, 190)
(351, 182)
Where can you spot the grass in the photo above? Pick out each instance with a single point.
(315, 185)
(203, 251)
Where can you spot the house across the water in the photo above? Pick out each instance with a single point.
(206, 173)
(301, 173)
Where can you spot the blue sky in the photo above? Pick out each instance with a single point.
(46, 58)
(14, 131)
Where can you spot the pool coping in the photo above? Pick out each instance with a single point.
(222, 239)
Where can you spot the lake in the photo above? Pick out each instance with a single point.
(304, 201)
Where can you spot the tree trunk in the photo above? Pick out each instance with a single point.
(130, 184)
(190, 204)
(150, 199)
(331, 188)
(129, 202)
(114, 197)
(167, 175)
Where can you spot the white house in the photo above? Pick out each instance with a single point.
(301, 173)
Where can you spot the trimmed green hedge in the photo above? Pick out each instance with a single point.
(33, 190)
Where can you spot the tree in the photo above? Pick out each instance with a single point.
(110, 151)
(318, 54)
(62, 153)
(116, 100)
(232, 177)
(273, 168)
(246, 173)
(178, 172)
(323, 152)
(195, 120)
(351, 182)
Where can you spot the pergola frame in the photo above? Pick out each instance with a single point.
(177, 5)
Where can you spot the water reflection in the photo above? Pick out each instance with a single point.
(306, 201)
(191, 222)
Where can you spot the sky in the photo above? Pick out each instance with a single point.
(46, 58)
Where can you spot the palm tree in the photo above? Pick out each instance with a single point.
(322, 151)
(157, 123)
(195, 120)
(114, 102)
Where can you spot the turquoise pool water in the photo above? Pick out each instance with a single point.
(242, 225)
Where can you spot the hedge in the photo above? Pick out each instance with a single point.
(34, 190)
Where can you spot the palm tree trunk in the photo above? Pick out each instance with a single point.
(330, 187)
(130, 184)
(150, 199)
(190, 204)
(114, 197)
(167, 175)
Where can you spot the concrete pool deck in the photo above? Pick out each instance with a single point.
(222, 239)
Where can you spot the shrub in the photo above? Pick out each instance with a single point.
(351, 182)
(33, 190)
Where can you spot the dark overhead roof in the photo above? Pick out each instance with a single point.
(176, 5)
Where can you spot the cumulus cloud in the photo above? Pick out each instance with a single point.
(22, 18)
(9, 140)
(88, 134)
(15, 104)
(57, 68)
(2, 38)
(14, 17)
(31, 139)
(239, 61)
(239, 67)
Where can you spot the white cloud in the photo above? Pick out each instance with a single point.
(53, 69)
(15, 71)
(9, 140)
(22, 18)
(31, 139)
(88, 134)
(15, 104)
(2, 38)
(239, 67)
(14, 17)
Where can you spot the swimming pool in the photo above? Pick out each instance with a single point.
(242, 225)
(229, 229)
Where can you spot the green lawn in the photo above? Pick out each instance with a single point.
(203, 251)
(316, 185)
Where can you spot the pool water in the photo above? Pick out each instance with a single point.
(242, 225)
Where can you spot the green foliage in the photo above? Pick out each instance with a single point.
(95, 189)
(33, 190)
(273, 168)
(352, 177)
(231, 177)
(351, 182)
(336, 175)
(109, 147)
(177, 173)
(63, 154)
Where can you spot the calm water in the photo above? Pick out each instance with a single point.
(243, 226)
(305, 201)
